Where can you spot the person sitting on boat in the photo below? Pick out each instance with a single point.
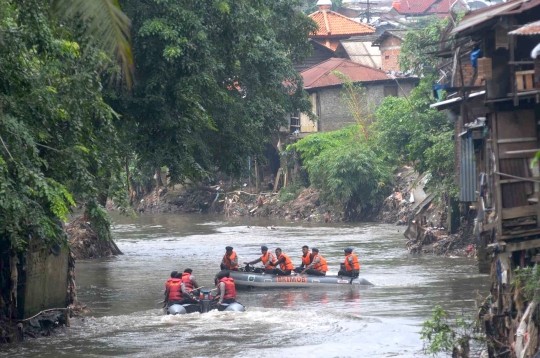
(230, 260)
(189, 284)
(284, 262)
(267, 258)
(318, 266)
(306, 259)
(226, 289)
(173, 290)
(351, 264)
(173, 275)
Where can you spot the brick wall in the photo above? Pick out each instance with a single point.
(390, 50)
(334, 114)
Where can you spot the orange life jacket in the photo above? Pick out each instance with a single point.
(355, 264)
(187, 281)
(269, 256)
(168, 283)
(287, 265)
(306, 260)
(228, 260)
(321, 266)
(175, 289)
(230, 288)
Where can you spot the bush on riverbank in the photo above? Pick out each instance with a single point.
(346, 170)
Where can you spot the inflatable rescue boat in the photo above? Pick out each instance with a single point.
(261, 280)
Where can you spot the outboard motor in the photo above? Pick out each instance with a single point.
(205, 300)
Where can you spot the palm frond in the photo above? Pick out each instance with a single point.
(108, 27)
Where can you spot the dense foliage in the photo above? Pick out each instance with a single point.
(58, 141)
(422, 41)
(344, 166)
(214, 79)
(408, 130)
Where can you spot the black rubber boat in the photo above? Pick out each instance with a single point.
(204, 305)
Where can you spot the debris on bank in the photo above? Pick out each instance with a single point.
(237, 203)
(85, 242)
(399, 206)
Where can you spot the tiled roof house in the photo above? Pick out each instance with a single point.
(333, 28)
(441, 8)
(325, 91)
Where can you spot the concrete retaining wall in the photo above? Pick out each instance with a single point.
(43, 282)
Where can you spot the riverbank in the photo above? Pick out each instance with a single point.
(408, 205)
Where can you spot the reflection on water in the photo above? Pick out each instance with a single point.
(381, 321)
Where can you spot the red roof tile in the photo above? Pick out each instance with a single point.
(332, 24)
(321, 75)
(414, 6)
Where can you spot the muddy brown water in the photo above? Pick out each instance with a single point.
(381, 321)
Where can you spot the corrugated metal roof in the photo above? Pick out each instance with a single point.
(532, 28)
(363, 53)
(480, 16)
(447, 103)
(321, 74)
(467, 169)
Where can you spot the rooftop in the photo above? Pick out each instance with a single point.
(399, 33)
(321, 75)
(486, 16)
(332, 24)
(532, 28)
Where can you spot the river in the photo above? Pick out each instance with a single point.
(379, 321)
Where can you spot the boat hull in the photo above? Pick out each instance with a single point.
(258, 280)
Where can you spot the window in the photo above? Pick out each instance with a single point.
(390, 91)
(386, 57)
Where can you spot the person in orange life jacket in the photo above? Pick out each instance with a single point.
(318, 266)
(351, 266)
(284, 262)
(306, 259)
(267, 258)
(188, 286)
(226, 292)
(230, 260)
(173, 290)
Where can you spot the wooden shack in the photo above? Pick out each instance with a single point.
(498, 138)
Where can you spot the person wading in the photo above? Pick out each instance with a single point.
(230, 260)
(226, 292)
(351, 264)
(306, 259)
(318, 266)
(267, 258)
(188, 286)
(285, 264)
(173, 290)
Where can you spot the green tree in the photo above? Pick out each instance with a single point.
(107, 27)
(408, 130)
(422, 41)
(214, 80)
(58, 141)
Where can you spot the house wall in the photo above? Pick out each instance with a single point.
(334, 114)
(390, 50)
